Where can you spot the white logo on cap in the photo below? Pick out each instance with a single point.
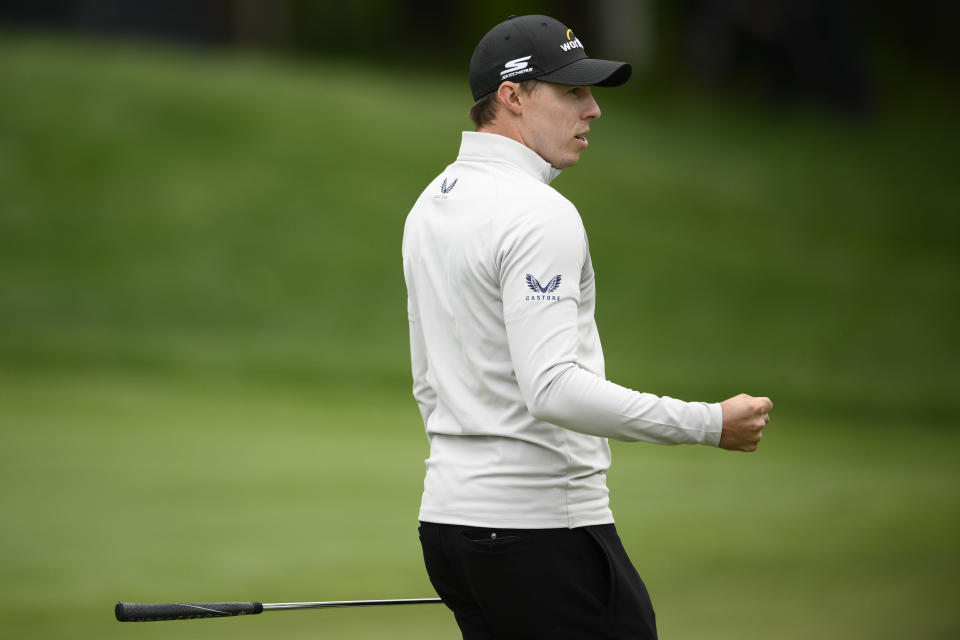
(513, 67)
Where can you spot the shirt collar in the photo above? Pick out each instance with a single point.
(491, 146)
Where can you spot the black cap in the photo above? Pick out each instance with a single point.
(527, 47)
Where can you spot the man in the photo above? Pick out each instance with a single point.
(517, 534)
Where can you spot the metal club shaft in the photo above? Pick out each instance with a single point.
(335, 604)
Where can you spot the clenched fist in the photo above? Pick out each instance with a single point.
(744, 418)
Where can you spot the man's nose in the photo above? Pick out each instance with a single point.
(592, 111)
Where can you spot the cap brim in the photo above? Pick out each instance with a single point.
(590, 72)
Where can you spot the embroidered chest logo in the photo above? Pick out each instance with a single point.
(445, 189)
(535, 286)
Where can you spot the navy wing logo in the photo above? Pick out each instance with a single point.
(535, 286)
(445, 189)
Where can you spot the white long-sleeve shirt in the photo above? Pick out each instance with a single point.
(507, 366)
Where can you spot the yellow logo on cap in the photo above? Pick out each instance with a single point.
(572, 43)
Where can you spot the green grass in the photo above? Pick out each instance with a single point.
(204, 371)
(152, 489)
(144, 490)
(831, 533)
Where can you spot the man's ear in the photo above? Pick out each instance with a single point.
(509, 96)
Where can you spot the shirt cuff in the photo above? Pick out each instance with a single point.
(715, 427)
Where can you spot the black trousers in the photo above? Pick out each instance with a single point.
(526, 584)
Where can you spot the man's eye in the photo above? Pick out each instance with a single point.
(575, 91)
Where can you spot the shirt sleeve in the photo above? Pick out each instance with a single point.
(423, 391)
(541, 263)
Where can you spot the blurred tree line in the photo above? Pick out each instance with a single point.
(830, 51)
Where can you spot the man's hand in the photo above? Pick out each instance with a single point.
(744, 418)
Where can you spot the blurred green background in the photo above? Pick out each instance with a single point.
(204, 386)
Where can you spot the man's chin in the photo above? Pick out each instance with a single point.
(568, 161)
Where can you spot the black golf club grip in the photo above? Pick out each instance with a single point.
(144, 612)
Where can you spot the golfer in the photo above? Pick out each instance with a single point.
(517, 533)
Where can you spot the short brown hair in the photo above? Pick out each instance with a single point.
(484, 110)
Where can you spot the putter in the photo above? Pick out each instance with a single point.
(146, 612)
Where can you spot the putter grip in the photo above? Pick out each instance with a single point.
(143, 612)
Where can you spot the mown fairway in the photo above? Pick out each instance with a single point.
(203, 366)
